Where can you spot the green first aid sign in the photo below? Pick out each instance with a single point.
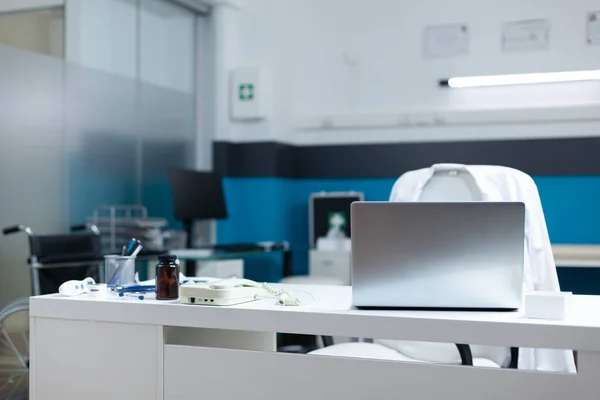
(246, 91)
(337, 219)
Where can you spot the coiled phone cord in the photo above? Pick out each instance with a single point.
(284, 298)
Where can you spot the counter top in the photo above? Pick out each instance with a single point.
(332, 314)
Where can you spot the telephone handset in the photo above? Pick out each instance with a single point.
(234, 282)
(227, 292)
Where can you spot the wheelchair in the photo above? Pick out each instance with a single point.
(53, 260)
(14, 350)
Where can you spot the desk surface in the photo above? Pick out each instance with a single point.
(332, 314)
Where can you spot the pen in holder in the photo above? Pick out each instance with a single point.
(119, 270)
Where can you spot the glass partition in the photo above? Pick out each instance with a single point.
(74, 138)
(101, 128)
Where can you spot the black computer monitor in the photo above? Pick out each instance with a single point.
(197, 195)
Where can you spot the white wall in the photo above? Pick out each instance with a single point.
(302, 45)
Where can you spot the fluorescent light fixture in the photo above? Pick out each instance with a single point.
(521, 79)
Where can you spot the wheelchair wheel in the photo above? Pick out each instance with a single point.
(14, 351)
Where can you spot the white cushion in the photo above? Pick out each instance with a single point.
(484, 362)
(379, 352)
(446, 353)
(362, 350)
(443, 353)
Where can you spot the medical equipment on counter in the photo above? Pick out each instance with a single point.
(227, 292)
(336, 239)
(438, 255)
(136, 296)
(330, 267)
(134, 289)
(75, 287)
(329, 235)
(330, 220)
(167, 277)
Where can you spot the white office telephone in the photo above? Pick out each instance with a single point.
(228, 292)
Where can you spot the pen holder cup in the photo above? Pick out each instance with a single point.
(119, 270)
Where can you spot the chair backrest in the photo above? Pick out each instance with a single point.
(455, 184)
(63, 247)
(77, 254)
(449, 183)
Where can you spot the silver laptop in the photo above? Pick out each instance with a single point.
(437, 255)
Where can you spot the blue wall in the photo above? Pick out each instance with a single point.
(276, 209)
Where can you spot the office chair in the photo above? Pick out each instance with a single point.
(14, 350)
(452, 183)
(55, 259)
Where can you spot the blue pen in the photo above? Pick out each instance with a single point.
(135, 288)
(194, 281)
(137, 296)
(132, 243)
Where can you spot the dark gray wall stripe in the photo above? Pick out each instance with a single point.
(576, 156)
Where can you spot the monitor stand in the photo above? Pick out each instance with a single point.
(190, 265)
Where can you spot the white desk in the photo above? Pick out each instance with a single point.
(127, 349)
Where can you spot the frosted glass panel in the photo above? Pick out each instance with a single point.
(74, 138)
(102, 139)
(167, 123)
(31, 158)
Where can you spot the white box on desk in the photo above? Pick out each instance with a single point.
(547, 305)
(334, 264)
(221, 268)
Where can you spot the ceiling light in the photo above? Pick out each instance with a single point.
(520, 79)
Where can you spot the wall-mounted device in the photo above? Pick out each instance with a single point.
(248, 94)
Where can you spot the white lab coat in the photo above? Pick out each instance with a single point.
(507, 184)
